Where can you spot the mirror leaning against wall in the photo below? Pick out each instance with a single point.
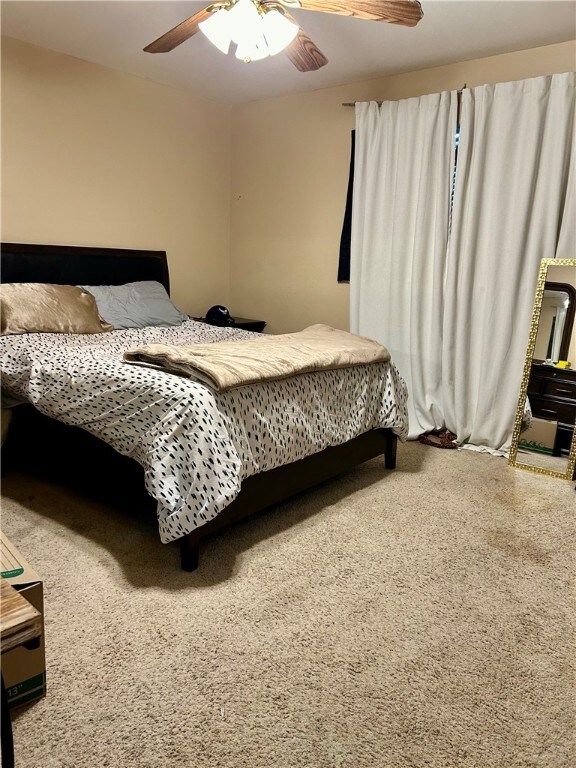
(544, 438)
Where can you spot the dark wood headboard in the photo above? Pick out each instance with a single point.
(80, 265)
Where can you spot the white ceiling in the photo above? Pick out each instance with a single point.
(114, 32)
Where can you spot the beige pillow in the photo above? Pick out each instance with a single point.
(46, 308)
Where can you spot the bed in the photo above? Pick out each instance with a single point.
(206, 458)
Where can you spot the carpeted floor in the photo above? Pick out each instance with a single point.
(421, 618)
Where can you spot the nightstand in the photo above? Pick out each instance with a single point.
(244, 323)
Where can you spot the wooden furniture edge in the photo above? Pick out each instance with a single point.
(20, 622)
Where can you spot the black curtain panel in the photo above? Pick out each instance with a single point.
(344, 260)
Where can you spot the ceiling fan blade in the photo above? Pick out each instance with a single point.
(304, 54)
(405, 12)
(179, 34)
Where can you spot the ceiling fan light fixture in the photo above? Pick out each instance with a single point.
(245, 22)
(218, 29)
(262, 28)
(252, 52)
(257, 31)
(278, 31)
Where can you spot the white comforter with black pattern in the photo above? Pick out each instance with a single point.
(196, 445)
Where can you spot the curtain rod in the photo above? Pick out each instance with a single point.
(353, 103)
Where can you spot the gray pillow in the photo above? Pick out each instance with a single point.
(136, 305)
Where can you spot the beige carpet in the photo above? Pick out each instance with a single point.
(421, 618)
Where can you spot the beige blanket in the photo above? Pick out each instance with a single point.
(227, 364)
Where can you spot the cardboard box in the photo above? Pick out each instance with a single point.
(23, 669)
(540, 436)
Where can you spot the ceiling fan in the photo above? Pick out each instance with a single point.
(261, 28)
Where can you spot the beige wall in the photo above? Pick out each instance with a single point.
(290, 170)
(91, 156)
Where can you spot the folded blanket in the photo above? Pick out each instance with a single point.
(227, 364)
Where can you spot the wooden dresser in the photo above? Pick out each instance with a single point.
(552, 395)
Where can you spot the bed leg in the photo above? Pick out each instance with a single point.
(390, 452)
(189, 548)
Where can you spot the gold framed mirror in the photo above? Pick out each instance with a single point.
(544, 437)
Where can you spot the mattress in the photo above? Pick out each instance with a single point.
(196, 445)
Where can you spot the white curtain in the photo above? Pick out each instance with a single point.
(400, 210)
(455, 311)
(514, 205)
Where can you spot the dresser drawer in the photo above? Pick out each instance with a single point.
(559, 388)
(552, 410)
(534, 385)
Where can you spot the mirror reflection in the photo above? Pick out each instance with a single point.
(544, 432)
(556, 321)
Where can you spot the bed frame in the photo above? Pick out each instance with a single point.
(78, 265)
